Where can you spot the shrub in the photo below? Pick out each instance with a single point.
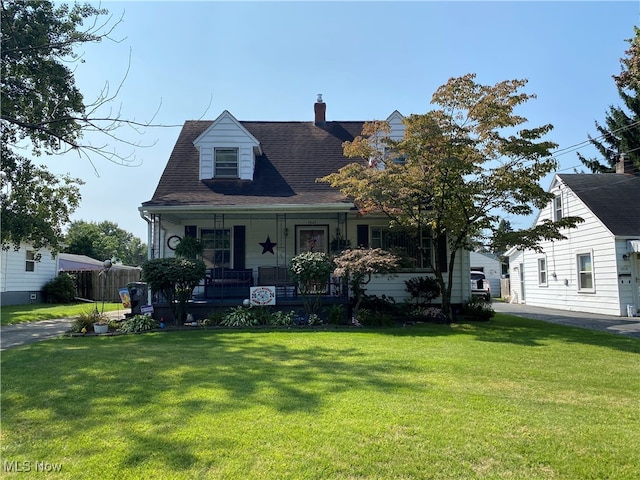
(214, 318)
(283, 318)
(478, 308)
(239, 317)
(422, 289)
(357, 266)
(262, 315)
(374, 319)
(138, 323)
(436, 315)
(61, 289)
(383, 304)
(311, 271)
(174, 278)
(336, 314)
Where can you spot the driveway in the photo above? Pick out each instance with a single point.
(629, 326)
(23, 333)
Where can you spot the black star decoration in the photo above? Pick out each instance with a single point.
(267, 246)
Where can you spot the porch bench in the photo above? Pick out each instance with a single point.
(228, 283)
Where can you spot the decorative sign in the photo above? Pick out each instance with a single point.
(146, 309)
(262, 295)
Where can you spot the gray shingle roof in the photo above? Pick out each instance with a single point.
(613, 198)
(294, 155)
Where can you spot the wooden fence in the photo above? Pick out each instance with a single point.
(93, 284)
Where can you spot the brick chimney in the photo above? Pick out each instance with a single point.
(320, 109)
(625, 165)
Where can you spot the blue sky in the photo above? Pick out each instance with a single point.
(269, 60)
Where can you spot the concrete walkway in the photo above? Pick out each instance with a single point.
(629, 326)
(24, 333)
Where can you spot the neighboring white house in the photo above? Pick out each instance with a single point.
(491, 268)
(597, 268)
(23, 273)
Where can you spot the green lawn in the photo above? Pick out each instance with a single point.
(12, 314)
(510, 398)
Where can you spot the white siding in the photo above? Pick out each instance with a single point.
(562, 288)
(15, 278)
(395, 121)
(226, 132)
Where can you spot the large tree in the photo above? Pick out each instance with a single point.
(464, 165)
(104, 240)
(620, 133)
(44, 113)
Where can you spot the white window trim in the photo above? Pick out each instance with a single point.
(592, 289)
(215, 163)
(544, 283)
(557, 199)
(28, 261)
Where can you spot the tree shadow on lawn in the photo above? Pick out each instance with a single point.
(93, 382)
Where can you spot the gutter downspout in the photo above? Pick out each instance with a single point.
(149, 238)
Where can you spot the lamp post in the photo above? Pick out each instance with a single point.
(105, 271)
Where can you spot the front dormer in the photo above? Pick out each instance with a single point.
(227, 150)
(396, 126)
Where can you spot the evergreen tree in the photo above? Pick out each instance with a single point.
(620, 133)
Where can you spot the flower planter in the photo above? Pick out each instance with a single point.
(101, 328)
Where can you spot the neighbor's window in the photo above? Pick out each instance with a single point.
(217, 247)
(412, 253)
(542, 272)
(30, 264)
(585, 272)
(226, 162)
(557, 208)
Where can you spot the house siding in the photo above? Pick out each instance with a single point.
(226, 134)
(562, 288)
(17, 286)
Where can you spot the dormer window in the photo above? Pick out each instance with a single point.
(226, 162)
(398, 159)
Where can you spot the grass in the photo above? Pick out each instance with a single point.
(510, 398)
(14, 314)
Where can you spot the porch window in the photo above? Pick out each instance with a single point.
(557, 208)
(585, 272)
(30, 263)
(216, 247)
(542, 272)
(415, 250)
(226, 162)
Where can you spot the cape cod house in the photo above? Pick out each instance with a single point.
(597, 268)
(248, 190)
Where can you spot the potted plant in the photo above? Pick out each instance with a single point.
(91, 320)
(100, 322)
